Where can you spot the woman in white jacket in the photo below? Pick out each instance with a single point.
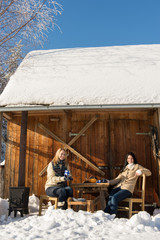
(56, 184)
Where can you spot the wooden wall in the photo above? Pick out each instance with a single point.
(105, 144)
(2, 181)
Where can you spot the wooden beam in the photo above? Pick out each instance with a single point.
(22, 154)
(8, 116)
(70, 149)
(83, 130)
(75, 138)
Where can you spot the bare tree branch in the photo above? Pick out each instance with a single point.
(22, 23)
(16, 31)
(6, 9)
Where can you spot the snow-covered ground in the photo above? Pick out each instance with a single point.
(67, 224)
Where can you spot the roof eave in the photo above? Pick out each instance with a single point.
(81, 107)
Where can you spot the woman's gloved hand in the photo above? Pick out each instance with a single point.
(68, 178)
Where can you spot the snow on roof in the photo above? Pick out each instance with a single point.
(86, 76)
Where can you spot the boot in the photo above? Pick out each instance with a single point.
(61, 205)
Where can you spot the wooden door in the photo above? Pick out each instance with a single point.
(124, 138)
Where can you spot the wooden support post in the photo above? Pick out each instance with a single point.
(22, 155)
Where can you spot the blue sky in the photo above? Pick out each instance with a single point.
(91, 23)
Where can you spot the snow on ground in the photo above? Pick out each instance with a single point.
(2, 163)
(67, 224)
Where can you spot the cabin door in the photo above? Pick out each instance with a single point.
(124, 137)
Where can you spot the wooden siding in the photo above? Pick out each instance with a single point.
(105, 144)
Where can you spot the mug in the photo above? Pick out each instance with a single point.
(98, 181)
(66, 173)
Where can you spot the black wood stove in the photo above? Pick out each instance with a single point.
(18, 200)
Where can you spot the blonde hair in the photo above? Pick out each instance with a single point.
(56, 157)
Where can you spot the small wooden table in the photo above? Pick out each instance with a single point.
(101, 188)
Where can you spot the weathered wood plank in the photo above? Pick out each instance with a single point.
(158, 157)
(8, 116)
(2, 169)
(106, 147)
(13, 152)
(35, 160)
(8, 159)
(111, 144)
(30, 167)
(18, 133)
(42, 180)
(41, 159)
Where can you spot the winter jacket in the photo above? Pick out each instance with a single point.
(55, 174)
(127, 179)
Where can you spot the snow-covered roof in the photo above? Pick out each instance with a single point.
(86, 76)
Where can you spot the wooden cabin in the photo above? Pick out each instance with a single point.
(99, 103)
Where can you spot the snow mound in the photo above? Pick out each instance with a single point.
(33, 203)
(67, 224)
(4, 204)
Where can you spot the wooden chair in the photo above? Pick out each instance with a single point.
(45, 197)
(140, 187)
(88, 203)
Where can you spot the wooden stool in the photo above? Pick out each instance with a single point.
(88, 203)
(45, 197)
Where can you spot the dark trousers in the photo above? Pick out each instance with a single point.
(61, 192)
(116, 196)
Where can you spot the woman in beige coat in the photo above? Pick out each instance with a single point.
(124, 184)
(56, 184)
